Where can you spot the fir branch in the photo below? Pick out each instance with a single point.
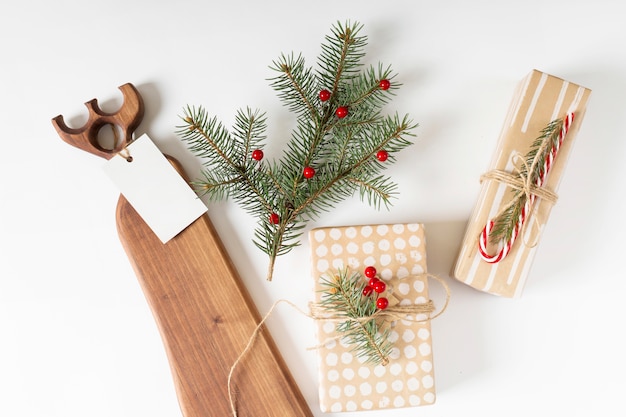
(229, 171)
(531, 171)
(250, 126)
(343, 297)
(213, 187)
(505, 223)
(392, 135)
(362, 91)
(541, 148)
(207, 137)
(377, 190)
(295, 85)
(341, 56)
(341, 150)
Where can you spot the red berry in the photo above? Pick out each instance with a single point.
(372, 282)
(308, 172)
(367, 290)
(382, 303)
(341, 112)
(380, 287)
(274, 218)
(370, 272)
(257, 154)
(382, 155)
(324, 95)
(384, 84)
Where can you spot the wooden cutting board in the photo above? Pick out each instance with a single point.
(203, 311)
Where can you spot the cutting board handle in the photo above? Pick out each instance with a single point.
(124, 121)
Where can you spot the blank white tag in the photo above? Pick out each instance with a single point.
(155, 189)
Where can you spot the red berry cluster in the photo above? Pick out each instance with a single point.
(375, 285)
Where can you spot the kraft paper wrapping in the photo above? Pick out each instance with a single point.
(540, 98)
(398, 252)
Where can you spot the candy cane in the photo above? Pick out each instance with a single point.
(506, 248)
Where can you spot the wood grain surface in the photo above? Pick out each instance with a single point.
(206, 317)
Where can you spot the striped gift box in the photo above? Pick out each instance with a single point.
(540, 98)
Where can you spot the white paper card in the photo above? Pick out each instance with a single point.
(155, 189)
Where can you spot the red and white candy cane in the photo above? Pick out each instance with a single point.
(506, 248)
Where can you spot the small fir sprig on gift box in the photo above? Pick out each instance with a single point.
(347, 295)
(533, 169)
(340, 145)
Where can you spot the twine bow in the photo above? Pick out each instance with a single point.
(522, 183)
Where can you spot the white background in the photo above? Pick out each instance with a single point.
(76, 335)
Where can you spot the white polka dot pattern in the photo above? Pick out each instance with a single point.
(399, 254)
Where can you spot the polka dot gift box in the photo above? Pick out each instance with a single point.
(347, 381)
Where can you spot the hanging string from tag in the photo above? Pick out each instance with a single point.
(124, 152)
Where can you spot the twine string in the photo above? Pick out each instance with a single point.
(397, 312)
(317, 312)
(518, 182)
(125, 153)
